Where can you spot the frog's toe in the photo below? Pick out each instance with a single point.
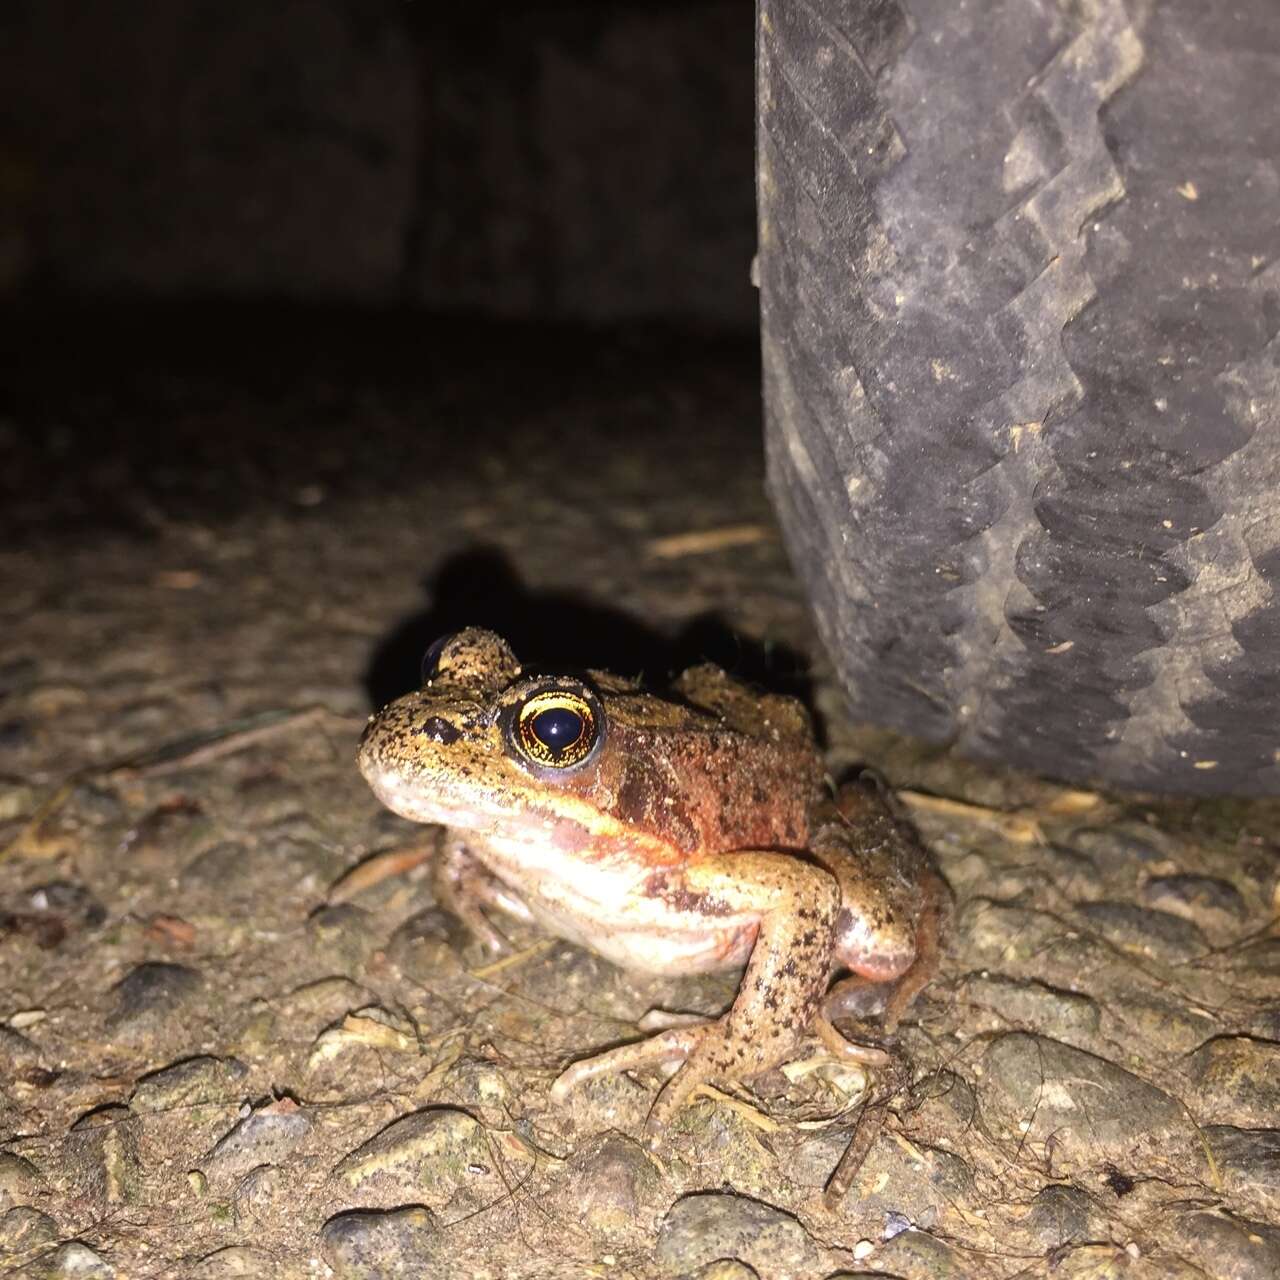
(674, 1045)
(849, 1050)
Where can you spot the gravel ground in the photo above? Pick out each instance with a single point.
(225, 538)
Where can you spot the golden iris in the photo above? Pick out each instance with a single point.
(556, 728)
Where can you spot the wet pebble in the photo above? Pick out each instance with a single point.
(19, 1179)
(257, 876)
(1213, 904)
(233, 1262)
(71, 903)
(345, 934)
(1033, 1089)
(1150, 933)
(23, 1229)
(1012, 1001)
(264, 1136)
(149, 994)
(1176, 1026)
(1059, 1215)
(1071, 870)
(18, 1056)
(618, 1101)
(102, 1150)
(219, 868)
(428, 946)
(706, 1227)
(364, 1245)
(945, 1099)
(261, 1194)
(1249, 1160)
(305, 863)
(1006, 937)
(1236, 1077)
(612, 1186)
(1117, 848)
(1231, 1247)
(917, 1253)
(71, 1261)
(190, 1083)
(481, 1087)
(723, 1269)
(272, 805)
(169, 835)
(95, 803)
(426, 1157)
(1261, 959)
(325, 1001)
(17, 799)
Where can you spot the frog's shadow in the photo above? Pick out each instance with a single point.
(568, 632)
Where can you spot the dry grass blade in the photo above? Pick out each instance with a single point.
(1017, 827)
(379, 867)
(700, 542)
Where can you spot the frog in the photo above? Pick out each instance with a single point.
(680, 831)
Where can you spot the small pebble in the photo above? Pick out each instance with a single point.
(23, 1228)
(363, 1245)
(1060, 1214)
(233, 1262)
(723, 1269)
(426, 1154)
(265, 1136)
(612, 1184)
(151, 992)
(1196, 898)
(72, 903)
(74, 1261)
(1117, 848)
(19, 1179)
(1239, 1077)
(191, 1082)
(102, 1149)
(1249, 1160)
(262, 1193)
(707, 1226)
(1143, 932)
(1034, 1088)
(1231, 1246)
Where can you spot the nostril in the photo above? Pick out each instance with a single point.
(438, 729)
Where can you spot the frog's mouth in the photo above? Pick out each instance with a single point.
(423, 798)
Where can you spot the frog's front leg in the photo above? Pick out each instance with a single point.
(795, 904)
(463, 885)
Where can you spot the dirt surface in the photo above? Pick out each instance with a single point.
(214, 1064)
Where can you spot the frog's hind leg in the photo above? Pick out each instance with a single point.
(463, 885)
(895, 905)
(931, 925)
(781, 990)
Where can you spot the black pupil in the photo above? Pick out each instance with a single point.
(557, 728)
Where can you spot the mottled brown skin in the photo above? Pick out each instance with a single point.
(695, 834)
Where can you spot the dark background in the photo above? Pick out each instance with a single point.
(580, 159)
(264, 255)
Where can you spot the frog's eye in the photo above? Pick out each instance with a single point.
(431, 659)
(556, 728)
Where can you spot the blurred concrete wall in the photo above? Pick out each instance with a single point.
(570, 159)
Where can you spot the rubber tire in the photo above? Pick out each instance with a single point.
(1020, 294)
